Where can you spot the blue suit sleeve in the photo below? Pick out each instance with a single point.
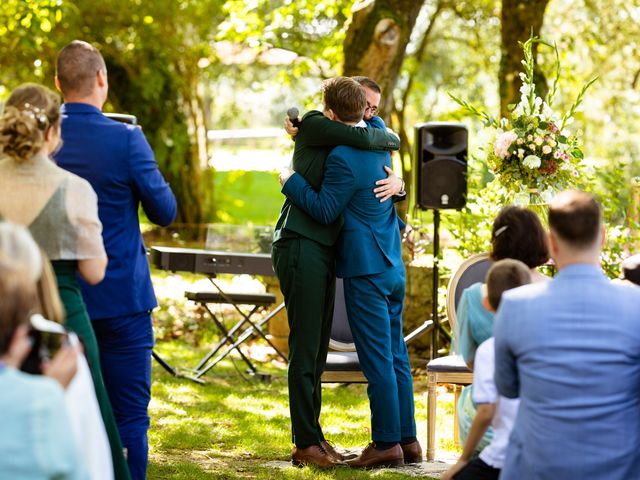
(506, 366)
(157, 199)
(338, 186)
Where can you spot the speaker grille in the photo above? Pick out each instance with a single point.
(441, 153)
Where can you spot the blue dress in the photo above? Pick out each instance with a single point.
(36, 440)
(474, 326)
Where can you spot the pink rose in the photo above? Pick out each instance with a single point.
(503, 142)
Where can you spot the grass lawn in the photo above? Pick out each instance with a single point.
(236, 427)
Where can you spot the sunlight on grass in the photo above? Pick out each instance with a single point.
(232, 427)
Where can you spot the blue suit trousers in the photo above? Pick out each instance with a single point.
(374, 307)
(125, 345)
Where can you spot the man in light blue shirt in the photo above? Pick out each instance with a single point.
(573, 358)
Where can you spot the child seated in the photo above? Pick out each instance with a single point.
(493, 409)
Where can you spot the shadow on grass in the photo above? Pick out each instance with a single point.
(233, 426)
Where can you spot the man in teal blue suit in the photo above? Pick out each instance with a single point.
(370, 261)
(570, 349)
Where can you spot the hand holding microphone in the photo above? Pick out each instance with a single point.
(292, 122)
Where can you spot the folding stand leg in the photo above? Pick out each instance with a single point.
(227, 338)
(163, 363)
(246, 334)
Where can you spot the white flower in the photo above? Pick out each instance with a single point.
(525, 89)
(532, 146)
(547, 195)
(546, 149)
(552, 142)
(530, 137)
(520, 141)
(521, 198)
(520, 153)
(565, 133)
(547, 113)
(557, 154)
(538, 141)
(531, 161)
(503, 142)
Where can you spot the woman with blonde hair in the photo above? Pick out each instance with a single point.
(60, 210)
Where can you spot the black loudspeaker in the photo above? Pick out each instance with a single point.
(441, 161)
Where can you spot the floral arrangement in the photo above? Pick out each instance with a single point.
(533, 149)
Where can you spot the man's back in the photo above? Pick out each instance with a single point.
(370, 238)
(571, 349)
(118, 162)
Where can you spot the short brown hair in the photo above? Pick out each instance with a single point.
(17, 300)
(518, 233)
(368, 83)
(77, 66)
(345, 97)
(29, 112)
(575, 217)
(505, 275)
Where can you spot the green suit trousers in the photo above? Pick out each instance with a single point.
(306, 270)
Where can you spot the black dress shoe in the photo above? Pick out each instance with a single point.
(341, 457)
(372, 458)
(313, 455)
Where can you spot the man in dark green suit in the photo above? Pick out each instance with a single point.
(304, 260)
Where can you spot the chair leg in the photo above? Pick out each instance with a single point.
(431, 415)
(457, 389)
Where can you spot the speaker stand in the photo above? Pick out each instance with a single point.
(436, 281)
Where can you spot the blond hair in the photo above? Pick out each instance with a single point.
(29, 112)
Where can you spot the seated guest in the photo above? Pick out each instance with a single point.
(19, 251)
(35, 439)
(516, 233)
(492, 408)
(573, 359)
(60, 210)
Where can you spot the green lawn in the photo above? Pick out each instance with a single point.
(247, 197)
(232, 427)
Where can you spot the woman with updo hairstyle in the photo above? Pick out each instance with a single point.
(517, 233)
(60, 210)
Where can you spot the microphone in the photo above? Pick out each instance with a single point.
(293, 113)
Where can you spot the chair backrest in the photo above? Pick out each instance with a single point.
(341, 339)
(472, 270)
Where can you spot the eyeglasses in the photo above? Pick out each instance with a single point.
(371, 108)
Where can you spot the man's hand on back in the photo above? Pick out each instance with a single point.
(388, 187)
(285, 173)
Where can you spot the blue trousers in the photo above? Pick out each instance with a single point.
(374, 307)
(125, 345)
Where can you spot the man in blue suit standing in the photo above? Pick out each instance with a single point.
(370, 261)
(118, 162)
(570, 349)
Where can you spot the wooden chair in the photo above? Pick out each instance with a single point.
(452, 368)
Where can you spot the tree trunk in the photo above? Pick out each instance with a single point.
(520, 19)
(376, 42)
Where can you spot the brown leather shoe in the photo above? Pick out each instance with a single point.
(341, 457)
(313, 455)
(372, 458)
(412, 452)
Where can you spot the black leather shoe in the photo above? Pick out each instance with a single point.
(341, 457)
(313, 455)
(372, 458)
(412, 452)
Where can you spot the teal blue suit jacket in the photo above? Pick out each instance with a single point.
(369, 242)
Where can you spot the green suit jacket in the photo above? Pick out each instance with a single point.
(316, 138)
